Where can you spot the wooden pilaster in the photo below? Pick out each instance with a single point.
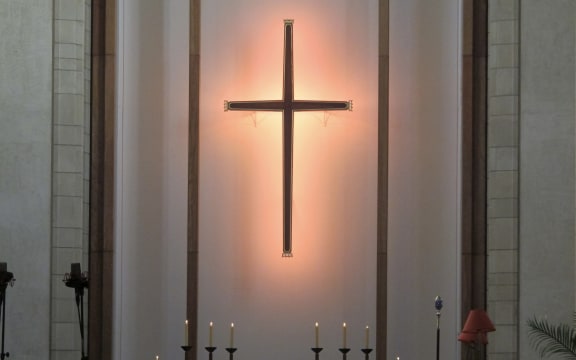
(382, 206)
(193, 176)
(474, 121)
(103, 123)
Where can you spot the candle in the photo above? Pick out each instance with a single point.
(157, 357)
(186, 333)
(367, 342)
(232, 335)
(210, 334)
(344, 335)
(316, 335)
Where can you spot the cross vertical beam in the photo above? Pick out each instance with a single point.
(287, 106)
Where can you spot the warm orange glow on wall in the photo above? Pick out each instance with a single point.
(242, 276)
(258, 76)
(288, 106)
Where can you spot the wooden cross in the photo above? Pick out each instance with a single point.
(287, 106)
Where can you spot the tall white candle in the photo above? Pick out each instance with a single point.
(316, 335)
(157, 357)
(210, 334)
(232, 335)
(344, 335)
(186, 333)
(367, 342)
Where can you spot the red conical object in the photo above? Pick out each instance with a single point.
(472, 338)
(478, 321)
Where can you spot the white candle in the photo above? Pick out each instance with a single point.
(316, 335)
(210, 334)
(186, 333)
(344, 335)
(232, 335)
(367, 342)
(157, 357)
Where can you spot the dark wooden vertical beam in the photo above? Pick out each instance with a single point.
(193, 174)
(480, 112)
(467, 153)
(474, 122)
(103, 123)
(382, 216)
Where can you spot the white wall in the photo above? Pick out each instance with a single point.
(424, 177)
(274, 301)
(25, 172)
(152, 167)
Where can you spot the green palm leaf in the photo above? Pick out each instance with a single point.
(548, 339)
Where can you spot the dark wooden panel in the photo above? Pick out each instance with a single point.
(474, 121)
(193, 176)
(382, 205)
(103, 122)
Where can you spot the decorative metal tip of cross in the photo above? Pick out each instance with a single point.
(288, 21)
(286, 254)
(226, 105)
(350, 105)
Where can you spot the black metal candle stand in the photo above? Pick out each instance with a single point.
(344, 351)
(366, 353)
(210, 350)
(186, 348)
(231, 351)
(316, 351)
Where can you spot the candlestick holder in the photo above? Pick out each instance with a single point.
(210, 350)
(316, 351)
(186, 348)
(6, 278)
(344, 351)
(438, 306)
(78, 280)
(231, 351)
(366, 352)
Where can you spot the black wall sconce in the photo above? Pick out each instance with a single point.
(6, 278)
(78, 280)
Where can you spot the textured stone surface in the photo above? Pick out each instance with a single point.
(25, 172)
(71, 164)
(547, 182)
(503, 183)
(531, 168)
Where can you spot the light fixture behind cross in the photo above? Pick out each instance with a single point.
(287, 106)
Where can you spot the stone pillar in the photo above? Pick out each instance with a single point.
(70, 173)
(502, 168)
(546, 177)
(531, 169)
